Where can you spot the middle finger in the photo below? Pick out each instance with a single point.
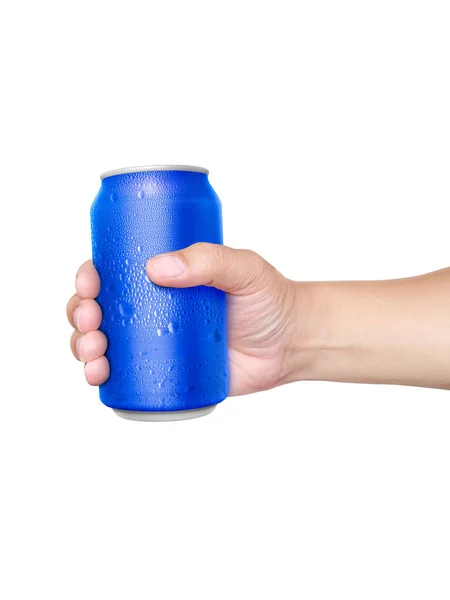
(84, 314)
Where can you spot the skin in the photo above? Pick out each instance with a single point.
(280, 331)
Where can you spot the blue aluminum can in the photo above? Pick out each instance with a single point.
(167, 347)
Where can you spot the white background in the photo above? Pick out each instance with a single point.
(326, 128)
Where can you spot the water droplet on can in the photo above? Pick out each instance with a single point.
(126, 309)
(173, 327)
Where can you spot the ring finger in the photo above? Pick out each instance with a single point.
(88, 346)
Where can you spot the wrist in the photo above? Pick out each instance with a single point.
(310, 331)
(333, 336)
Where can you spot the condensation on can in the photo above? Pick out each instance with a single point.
(167, 347)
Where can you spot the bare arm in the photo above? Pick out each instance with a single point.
(394, 332)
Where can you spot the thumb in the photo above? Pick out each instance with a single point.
(233, 271)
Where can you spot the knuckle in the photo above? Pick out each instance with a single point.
(253, 269)
(210, 255)
(251, 256)
(217, 255)
(200, 246)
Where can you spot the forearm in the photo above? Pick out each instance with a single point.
(394, 332)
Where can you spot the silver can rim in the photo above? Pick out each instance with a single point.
(144, 168)
(175, 415)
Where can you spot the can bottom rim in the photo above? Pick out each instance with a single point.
(174, 415)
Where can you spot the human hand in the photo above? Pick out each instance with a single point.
(262, 312)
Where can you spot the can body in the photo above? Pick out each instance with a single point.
(167, 347)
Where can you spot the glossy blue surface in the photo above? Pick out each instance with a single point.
(166, 347)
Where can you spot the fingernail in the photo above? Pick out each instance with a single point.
(168, 266)
(76, 317)
(78, 347)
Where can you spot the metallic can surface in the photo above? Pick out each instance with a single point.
(166, 347)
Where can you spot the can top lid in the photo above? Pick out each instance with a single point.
(153, 168)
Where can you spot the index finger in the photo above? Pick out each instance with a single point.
(87, 282)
